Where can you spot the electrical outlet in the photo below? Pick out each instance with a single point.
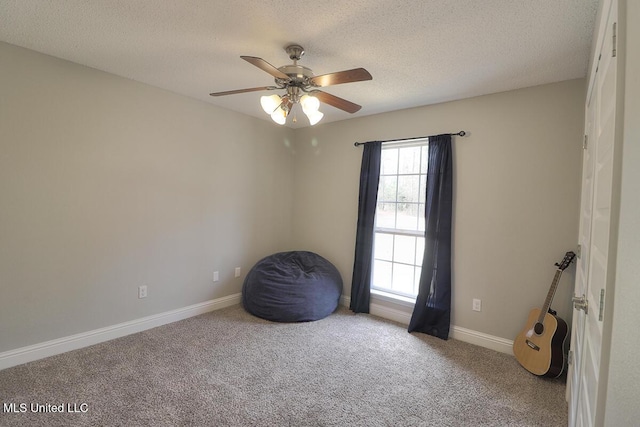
(238, 271)
(477, 305)
(142, 291)
(216, 276)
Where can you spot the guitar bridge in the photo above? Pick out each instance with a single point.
(533, 346)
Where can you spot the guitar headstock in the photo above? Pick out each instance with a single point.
(568, 259)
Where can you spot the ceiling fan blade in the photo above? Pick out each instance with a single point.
(265, 66)
(347, 76)
(337, 102)
(233, 92)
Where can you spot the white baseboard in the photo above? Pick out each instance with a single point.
(85, 339)
(492, 342)
(456, 332)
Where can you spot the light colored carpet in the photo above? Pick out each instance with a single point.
(228, 368)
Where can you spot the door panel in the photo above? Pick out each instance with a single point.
(592, 272)
(582, 269)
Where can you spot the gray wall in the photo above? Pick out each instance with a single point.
(517, 190)
(107, 184)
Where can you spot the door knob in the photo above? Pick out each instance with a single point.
(581, 303)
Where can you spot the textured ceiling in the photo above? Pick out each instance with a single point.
(419, 52)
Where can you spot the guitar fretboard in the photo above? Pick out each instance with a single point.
(550, 294)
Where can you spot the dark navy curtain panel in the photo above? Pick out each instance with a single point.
(367, 200)
(432, 311)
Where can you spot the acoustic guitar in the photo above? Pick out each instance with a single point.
(540, 346)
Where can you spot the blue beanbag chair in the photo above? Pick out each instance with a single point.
(296, 286)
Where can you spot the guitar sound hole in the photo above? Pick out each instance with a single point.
(538, 328)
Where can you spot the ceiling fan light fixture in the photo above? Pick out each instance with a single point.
(310, 104)
(279, 116)
(300, 85)
(270, 103)
(314, 116)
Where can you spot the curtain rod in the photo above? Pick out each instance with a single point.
(461, 133)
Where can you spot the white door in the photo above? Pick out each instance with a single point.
(582, 264)
(595, 263)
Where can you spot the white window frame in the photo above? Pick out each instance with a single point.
(386, 292)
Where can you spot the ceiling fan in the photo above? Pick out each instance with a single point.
(301, 87)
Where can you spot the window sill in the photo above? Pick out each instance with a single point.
(396, 299)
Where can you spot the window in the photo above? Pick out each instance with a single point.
(399, 222)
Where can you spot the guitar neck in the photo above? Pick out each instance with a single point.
(550, 294)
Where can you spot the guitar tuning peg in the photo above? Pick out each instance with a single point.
(557, 265)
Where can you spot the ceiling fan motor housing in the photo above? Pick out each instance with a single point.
(300, 76)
